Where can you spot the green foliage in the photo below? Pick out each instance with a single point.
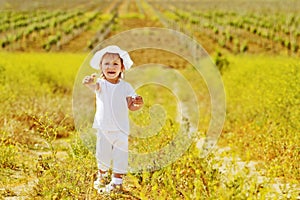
(132, 15)
(221, 62)
(261, 28)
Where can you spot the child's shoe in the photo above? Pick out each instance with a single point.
(101, 181)
(111, 187)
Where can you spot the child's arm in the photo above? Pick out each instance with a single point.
(89, 81)
(135, 103)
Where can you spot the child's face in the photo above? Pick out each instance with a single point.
(111, 66)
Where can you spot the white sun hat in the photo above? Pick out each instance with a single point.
(95, 61)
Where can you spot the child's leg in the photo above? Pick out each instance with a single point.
(120, 161)
(103, 152)
(104, 157)
(120, 158)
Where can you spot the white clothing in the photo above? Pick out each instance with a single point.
(111, 106)
(112, 149)
(112, 122)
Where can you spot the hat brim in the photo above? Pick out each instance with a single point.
(95, 61)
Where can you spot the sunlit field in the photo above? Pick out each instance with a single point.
(254, 46)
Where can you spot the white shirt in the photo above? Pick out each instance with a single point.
(111, 106)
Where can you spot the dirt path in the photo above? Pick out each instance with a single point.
(19, 191)
(24, 188)
(232, 166)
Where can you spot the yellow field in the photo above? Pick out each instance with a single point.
(36, 110)
(255, 49)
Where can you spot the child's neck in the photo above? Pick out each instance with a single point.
(113, 81)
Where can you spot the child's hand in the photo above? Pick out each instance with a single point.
(89, 79)
(137, 101)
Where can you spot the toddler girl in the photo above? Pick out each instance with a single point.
(114, 97)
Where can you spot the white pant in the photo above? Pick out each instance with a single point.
(112, 150)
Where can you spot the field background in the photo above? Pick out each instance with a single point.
(254, 44)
